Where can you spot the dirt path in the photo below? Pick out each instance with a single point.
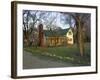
(31, 62)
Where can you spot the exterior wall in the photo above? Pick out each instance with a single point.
(56, 41)
(61, 41)
(69, 36)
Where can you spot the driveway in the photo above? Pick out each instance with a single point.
(30, 62)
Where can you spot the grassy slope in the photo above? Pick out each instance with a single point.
(68, 54)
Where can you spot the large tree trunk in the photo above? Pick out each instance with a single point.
(41, 36)
(80, 38)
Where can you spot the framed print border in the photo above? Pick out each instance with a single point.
(14, 38)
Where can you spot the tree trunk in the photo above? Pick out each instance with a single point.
(41, 36)
(80, 38)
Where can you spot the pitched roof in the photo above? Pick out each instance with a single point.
(61, 32)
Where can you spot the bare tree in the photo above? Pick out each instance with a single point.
(80, 25)
(26, 15)
(30, 18)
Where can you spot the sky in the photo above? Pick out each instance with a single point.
(60, 19)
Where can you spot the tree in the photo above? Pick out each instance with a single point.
(25, 26)
(80, 25)
(30, 18)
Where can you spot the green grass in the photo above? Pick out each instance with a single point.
(69, 54)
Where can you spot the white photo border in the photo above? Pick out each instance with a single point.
(50, 71)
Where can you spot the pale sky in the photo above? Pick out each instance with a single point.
(57, 17)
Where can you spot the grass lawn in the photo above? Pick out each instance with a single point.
(69, 54)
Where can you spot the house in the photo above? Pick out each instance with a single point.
(69, 36)
(64, 37)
